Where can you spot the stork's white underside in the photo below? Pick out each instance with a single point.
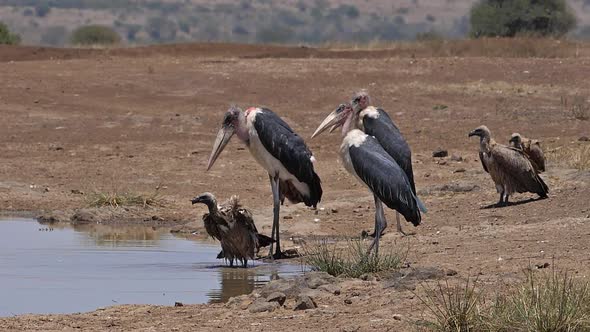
(271, 164)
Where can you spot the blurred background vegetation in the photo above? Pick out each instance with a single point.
(83, 22)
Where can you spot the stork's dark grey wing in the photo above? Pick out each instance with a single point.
(392, 140)
(385, 178)
(289, 148)
(483, 163)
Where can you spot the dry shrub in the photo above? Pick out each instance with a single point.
(576, 156)
(520, 47)
(546, 302)
(116, 199)
(454, 307)
(577, 105)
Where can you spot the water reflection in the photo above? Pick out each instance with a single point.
(116, 236)
(238, 281)
(80, 268)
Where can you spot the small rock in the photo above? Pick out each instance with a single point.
(542, 266)
(287, 217)
(450, 273)
(397, 317)
(330, 288)
(277, 297)
(442, 162)
(459, 170)
(77, 192)
(456, 158)
(348, 301)
(46, 189)
(55, 147)
(304, 302)
(157, 218)
(178, 304)
(261, 305)
(584, 139)
(317, 279)
(440, 153)
(334, 210)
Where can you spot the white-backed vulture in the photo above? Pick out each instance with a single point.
(530, 147)
(233, 227)
(509, 167)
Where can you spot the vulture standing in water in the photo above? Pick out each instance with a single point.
(530, 147)
(233, 226)
(509, 167)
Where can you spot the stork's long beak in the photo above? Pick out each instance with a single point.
(332, 121)
(223, 136)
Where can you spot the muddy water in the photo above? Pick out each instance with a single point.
(80, 268)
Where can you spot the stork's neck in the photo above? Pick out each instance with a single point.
(485, 143)
(348, 125)
(242, 128)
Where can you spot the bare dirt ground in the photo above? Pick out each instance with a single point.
(76, 122)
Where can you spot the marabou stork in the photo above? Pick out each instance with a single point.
(281, 152)
(364, 157)
(233, 227)
(377, 123)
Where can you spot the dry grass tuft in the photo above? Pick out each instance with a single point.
(116, 199)
(545, 302)
(576, 156)
(454, 307)
(577, 105)
(354, 261)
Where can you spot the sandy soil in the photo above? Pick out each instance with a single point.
(77, 122)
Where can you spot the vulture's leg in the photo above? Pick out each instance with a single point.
(501, 202)
(506, 200)
(380, 225)
(231, 262)
(276, 198)
(399, 224)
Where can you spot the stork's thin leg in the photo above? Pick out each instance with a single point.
(380, 225)
(399, 224)
(276, 199)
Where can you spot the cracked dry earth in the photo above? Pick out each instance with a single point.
(75, 123)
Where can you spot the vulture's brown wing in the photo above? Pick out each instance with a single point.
(211, 227)
(483, 163)
(518, 169)
(536, 155)
(244, 217)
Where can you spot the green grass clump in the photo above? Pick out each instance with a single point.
(116, 199)
(353, 261)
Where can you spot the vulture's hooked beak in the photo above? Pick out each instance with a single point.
(196, 200)
(332, 121)
(223, 136)
(473, 133)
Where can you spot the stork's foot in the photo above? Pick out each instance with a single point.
(373, 234)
